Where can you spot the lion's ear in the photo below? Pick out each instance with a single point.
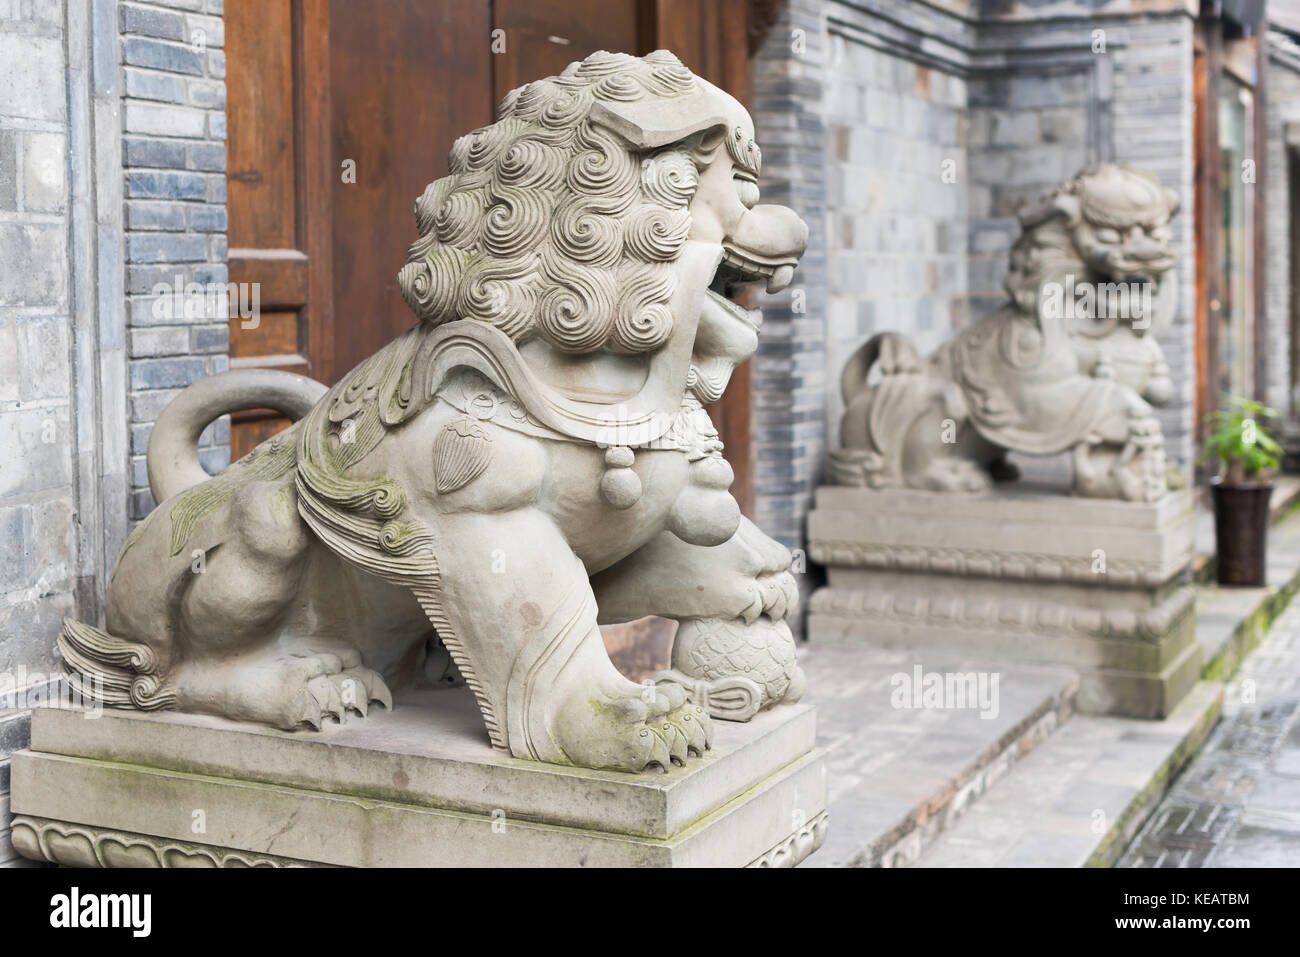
(711, 139)
(1172, 200)
(651, 123)
(1061, 205)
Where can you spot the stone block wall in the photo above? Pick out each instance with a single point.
(897, 204)
(63, 429)
(790, 373)
(174, 157)
(112, 183)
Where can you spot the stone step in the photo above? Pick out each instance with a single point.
(900, 776)
(1081, 797)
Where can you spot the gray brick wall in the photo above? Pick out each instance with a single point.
(63, 432)
(37, 477)
(896, 236)
(1282, 107)
(112, 183)
(790, 374)
(174, 132)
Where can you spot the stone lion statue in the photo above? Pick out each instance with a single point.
(1071, 362)
(532, 459)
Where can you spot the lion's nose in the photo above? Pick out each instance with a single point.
(1145, 249)
(772, 232)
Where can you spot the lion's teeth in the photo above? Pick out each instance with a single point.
(780, 279)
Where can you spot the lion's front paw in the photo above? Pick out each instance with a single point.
(633, 727)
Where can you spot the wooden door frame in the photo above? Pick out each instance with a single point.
(296, 275)
(314, 228)
(1207, 71)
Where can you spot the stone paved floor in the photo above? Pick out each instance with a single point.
(1238, 803)
(898, 776)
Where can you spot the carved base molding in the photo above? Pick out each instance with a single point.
(420, 786)
(77, 845)
(1021, 613)
(797, 846)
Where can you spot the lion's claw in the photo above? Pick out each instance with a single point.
(695, 723)
(659, 753)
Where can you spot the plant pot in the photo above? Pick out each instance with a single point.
(1241, 531)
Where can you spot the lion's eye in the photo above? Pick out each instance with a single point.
(747, 190)
(1161, 233)
(1107, 235)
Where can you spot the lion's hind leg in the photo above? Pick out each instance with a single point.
(288, 685)
(265, 630)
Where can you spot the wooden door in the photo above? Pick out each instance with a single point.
(540, 38)
(276, 156)
(404, 86)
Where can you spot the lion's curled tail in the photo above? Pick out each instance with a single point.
(869, 455)
(173, 457)
(895, 354)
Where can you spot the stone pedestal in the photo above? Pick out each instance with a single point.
(1021, 575)
(419, 786)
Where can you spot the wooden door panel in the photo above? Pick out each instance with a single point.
(542, 37)
(275, 207)
(404, 86)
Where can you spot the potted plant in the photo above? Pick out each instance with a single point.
(1247, 460)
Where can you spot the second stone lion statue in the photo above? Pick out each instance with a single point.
(1070, 363)
(532, 459)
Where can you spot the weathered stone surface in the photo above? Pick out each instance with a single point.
(901, 773)
(1236, 804)
(1078, 800)
(420, 786)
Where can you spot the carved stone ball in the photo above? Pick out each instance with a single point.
(621, 488)
(764, 652)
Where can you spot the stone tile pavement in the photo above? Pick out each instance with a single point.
(900, 776)
(1075, 800)
(1238, 802)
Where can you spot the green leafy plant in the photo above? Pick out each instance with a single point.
(1237, 439)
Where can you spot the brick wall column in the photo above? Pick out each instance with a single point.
(174, 129)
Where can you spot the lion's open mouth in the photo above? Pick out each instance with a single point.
(740, 269)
